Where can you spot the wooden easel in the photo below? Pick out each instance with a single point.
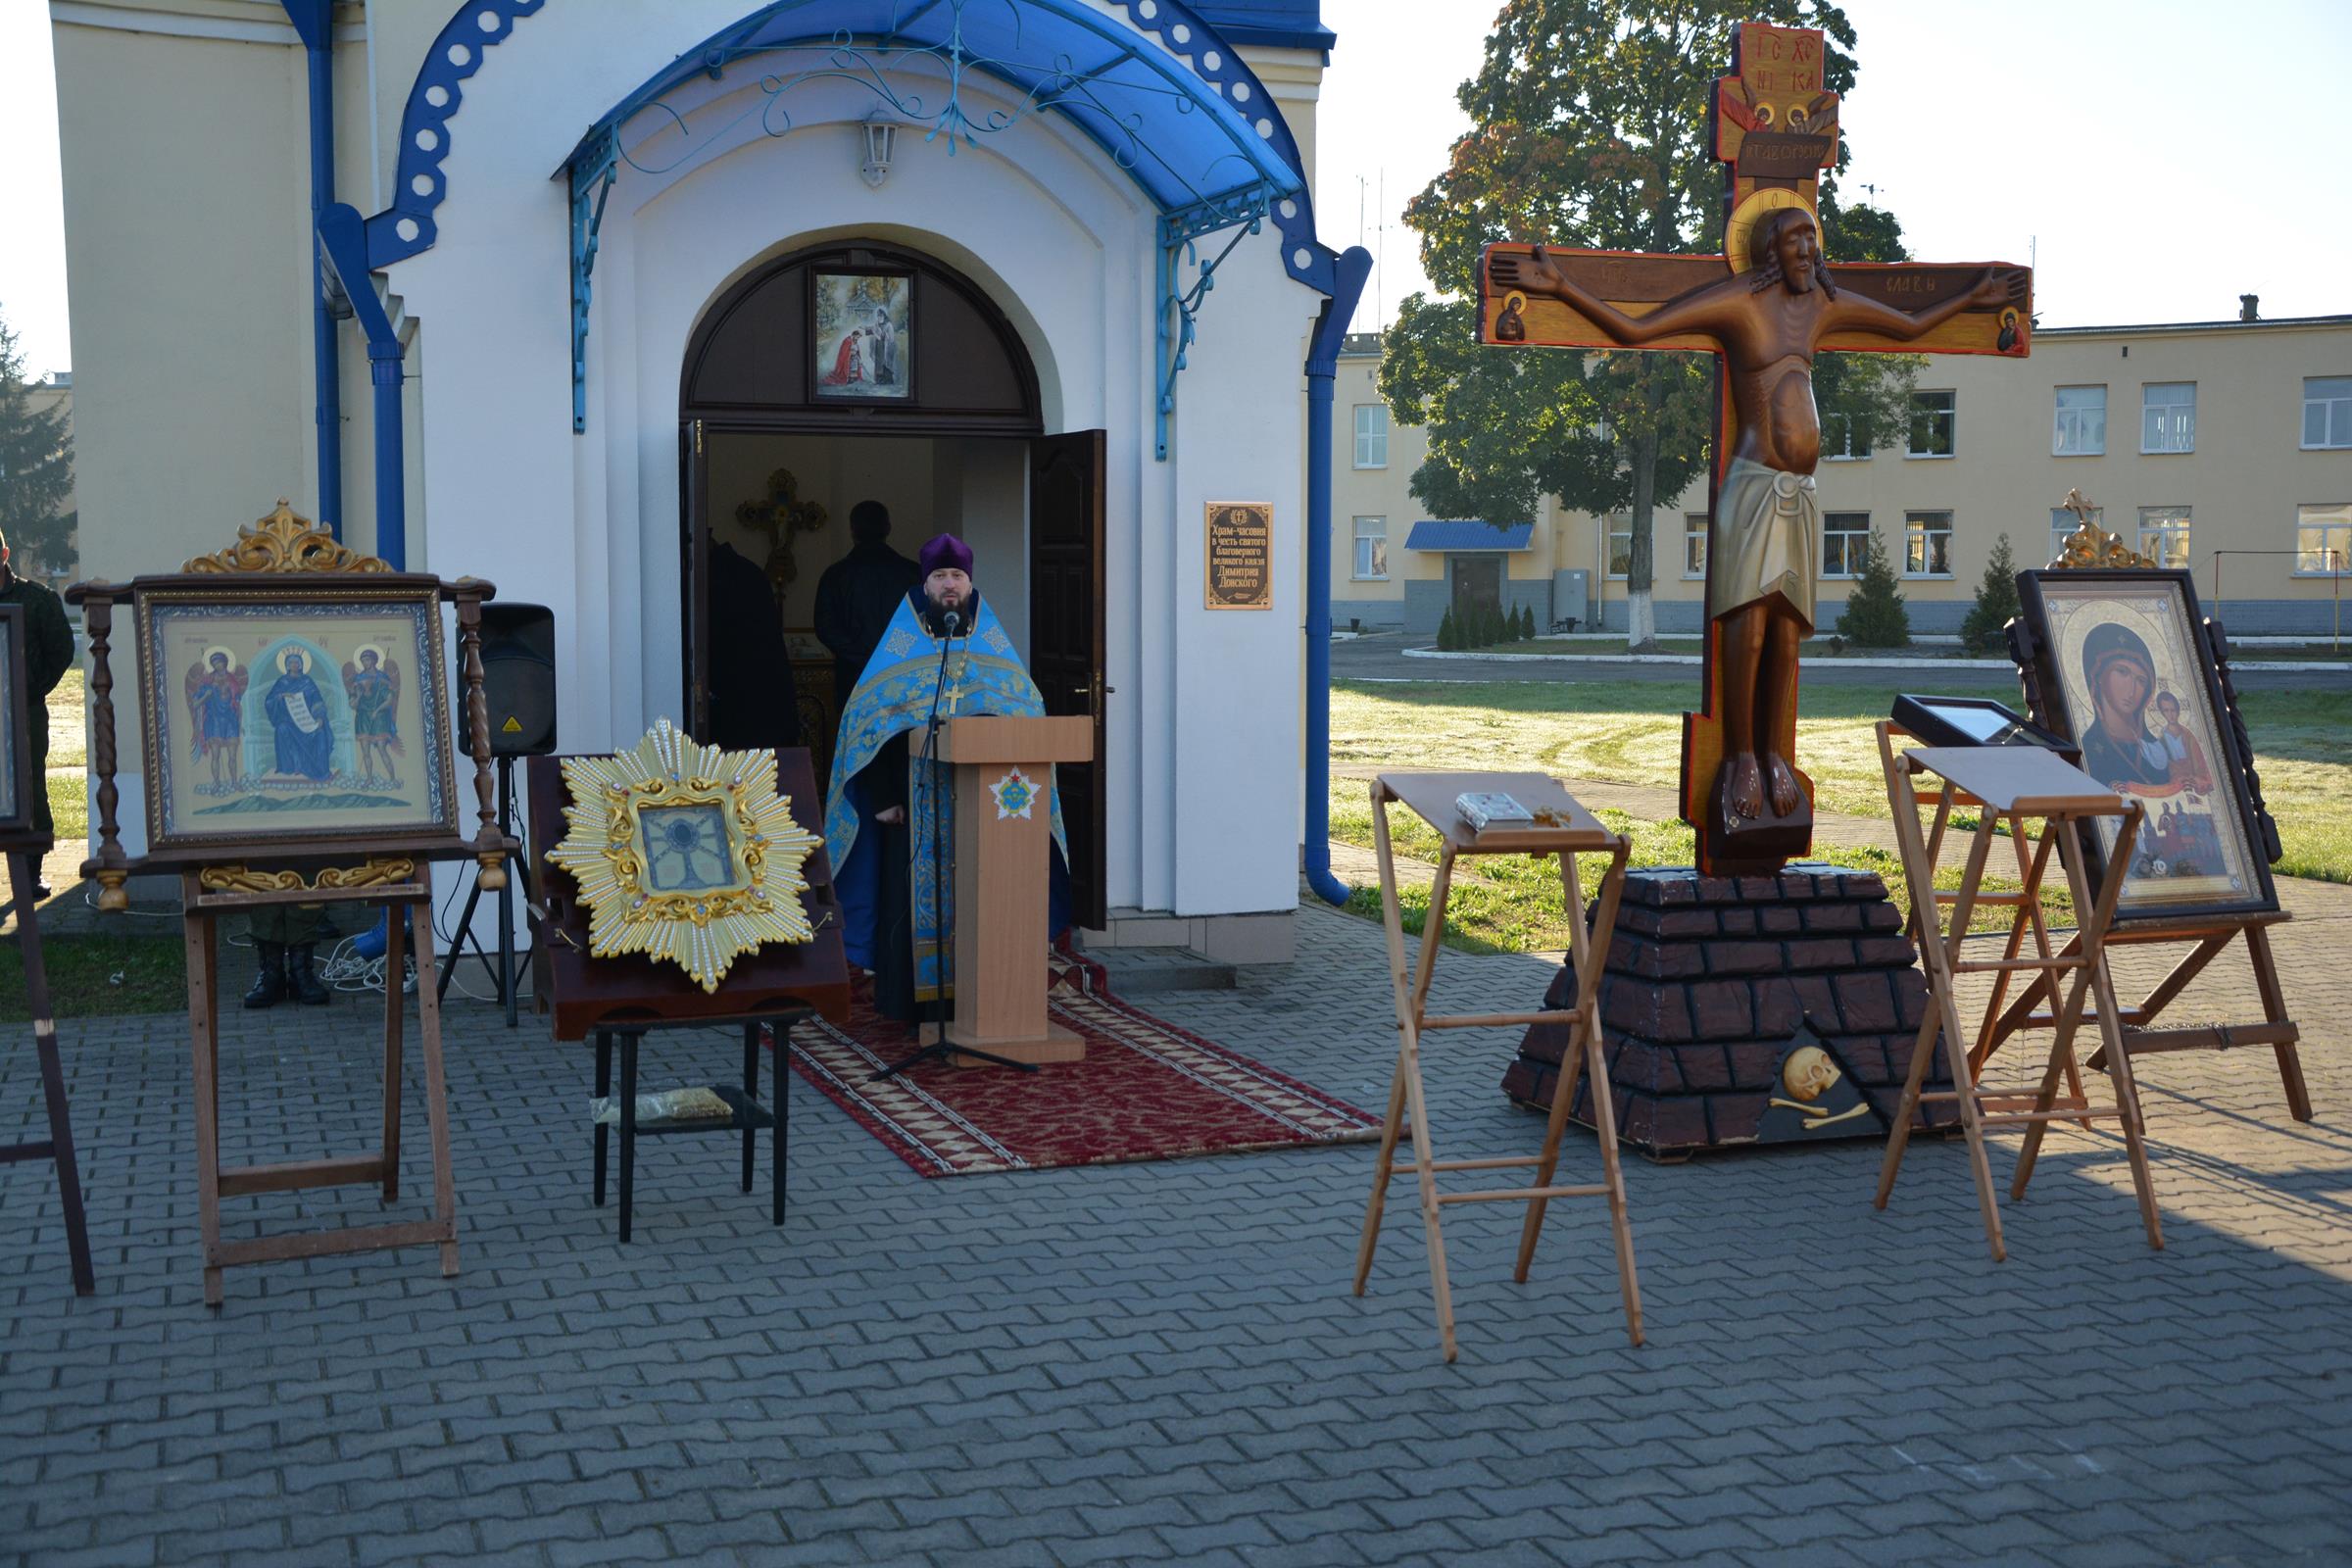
(1563, 828)
(2091, 547)
(2010, 784)
(285, 559)
(406, 892)
(23, 875)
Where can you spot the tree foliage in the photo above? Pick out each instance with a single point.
(36, 472)
(1996, 602)
(1589, 129)
(1875, 616)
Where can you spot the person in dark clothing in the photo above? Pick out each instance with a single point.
(754, 704)
(860, 593)
(48, 654)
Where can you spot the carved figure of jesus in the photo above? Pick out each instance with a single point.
(1764, 539)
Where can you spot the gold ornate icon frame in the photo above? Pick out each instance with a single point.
(703, 929)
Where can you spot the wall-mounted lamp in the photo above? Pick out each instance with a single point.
(881, 140)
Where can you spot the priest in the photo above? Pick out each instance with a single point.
(889, 822)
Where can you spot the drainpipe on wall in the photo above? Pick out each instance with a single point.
(314, 22)
(343, 236)
(1322, 371)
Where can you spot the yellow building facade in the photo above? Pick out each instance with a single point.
(2225, 447)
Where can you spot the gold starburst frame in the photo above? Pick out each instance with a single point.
(684, 851)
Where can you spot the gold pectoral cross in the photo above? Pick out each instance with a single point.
(955, 697)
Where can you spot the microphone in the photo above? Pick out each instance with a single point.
(955, 622)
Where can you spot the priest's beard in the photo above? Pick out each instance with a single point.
(935, 614)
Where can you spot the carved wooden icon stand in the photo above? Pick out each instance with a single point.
(1774, 128)
(1563, 828)
(283, 556)
(2209, 935)
(2008, 785)
(25, 845)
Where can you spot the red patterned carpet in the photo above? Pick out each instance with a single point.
(1146, 1090)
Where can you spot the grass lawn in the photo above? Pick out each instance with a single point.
(1631, 733)
(101, 976)
(1514, 904)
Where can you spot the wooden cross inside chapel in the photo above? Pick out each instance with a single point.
(1765, 308)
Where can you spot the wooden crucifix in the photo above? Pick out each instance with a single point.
(1766, 306)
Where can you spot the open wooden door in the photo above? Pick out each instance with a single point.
(694, 580)
(1065, 636)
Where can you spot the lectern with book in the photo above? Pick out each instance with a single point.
(1004, 820)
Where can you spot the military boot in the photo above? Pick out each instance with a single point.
(269, 975)
(301, 979)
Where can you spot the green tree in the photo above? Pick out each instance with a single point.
(1449, 639)
(1996, 602)
(36, 472)
(1875, 616)
(1589, 128)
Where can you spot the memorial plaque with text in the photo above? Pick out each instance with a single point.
(1241, 555)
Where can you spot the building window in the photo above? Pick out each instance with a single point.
(1371, 435)
(2081, 423)
(2163, 536)
(2168, 416)
(2328, 410)
(1931, 418)
(1927, 544)
(1844, 439)
(1695, 544)
(2064, 524)
(1621, 548)
(1845, 541)
(1372, 548)
(2323, 541)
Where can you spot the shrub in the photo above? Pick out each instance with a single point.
(1875, 616)
(1996, 604)
(1449, 638)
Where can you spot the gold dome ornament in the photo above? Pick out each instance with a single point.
(684, 851)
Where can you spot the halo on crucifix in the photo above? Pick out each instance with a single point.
(1741, 226)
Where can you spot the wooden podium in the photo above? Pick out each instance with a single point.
(1004, 833)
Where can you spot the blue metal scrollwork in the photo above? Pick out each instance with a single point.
(592, 179)
(1179, 308)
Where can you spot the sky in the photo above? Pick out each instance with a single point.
(2114, 145)
(2080, 135)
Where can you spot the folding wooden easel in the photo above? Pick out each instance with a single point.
(406, 891)
(2008, 785)
(24, 872)
(1564, 828)
(2212, 932)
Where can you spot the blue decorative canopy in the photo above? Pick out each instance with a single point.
(1151, 82)
(1429, 535)
(1188, 122)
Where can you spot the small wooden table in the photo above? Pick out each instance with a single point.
(2008, 784)
(1563, 828)
(624, 998)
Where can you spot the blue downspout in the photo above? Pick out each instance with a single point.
(343, 235)
(312, 21)
(1322, 372)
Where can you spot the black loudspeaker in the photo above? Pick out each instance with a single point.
(518, 679)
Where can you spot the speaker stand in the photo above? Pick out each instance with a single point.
(503, 973)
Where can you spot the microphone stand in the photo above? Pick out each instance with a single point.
(939, 1049)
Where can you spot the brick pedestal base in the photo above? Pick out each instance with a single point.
(1713, 986)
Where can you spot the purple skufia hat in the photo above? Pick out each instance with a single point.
(944, 550)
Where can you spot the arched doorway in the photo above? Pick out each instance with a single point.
(873, 371)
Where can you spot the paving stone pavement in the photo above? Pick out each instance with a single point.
(1162, 1362)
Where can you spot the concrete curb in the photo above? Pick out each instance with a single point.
(2281, 664)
